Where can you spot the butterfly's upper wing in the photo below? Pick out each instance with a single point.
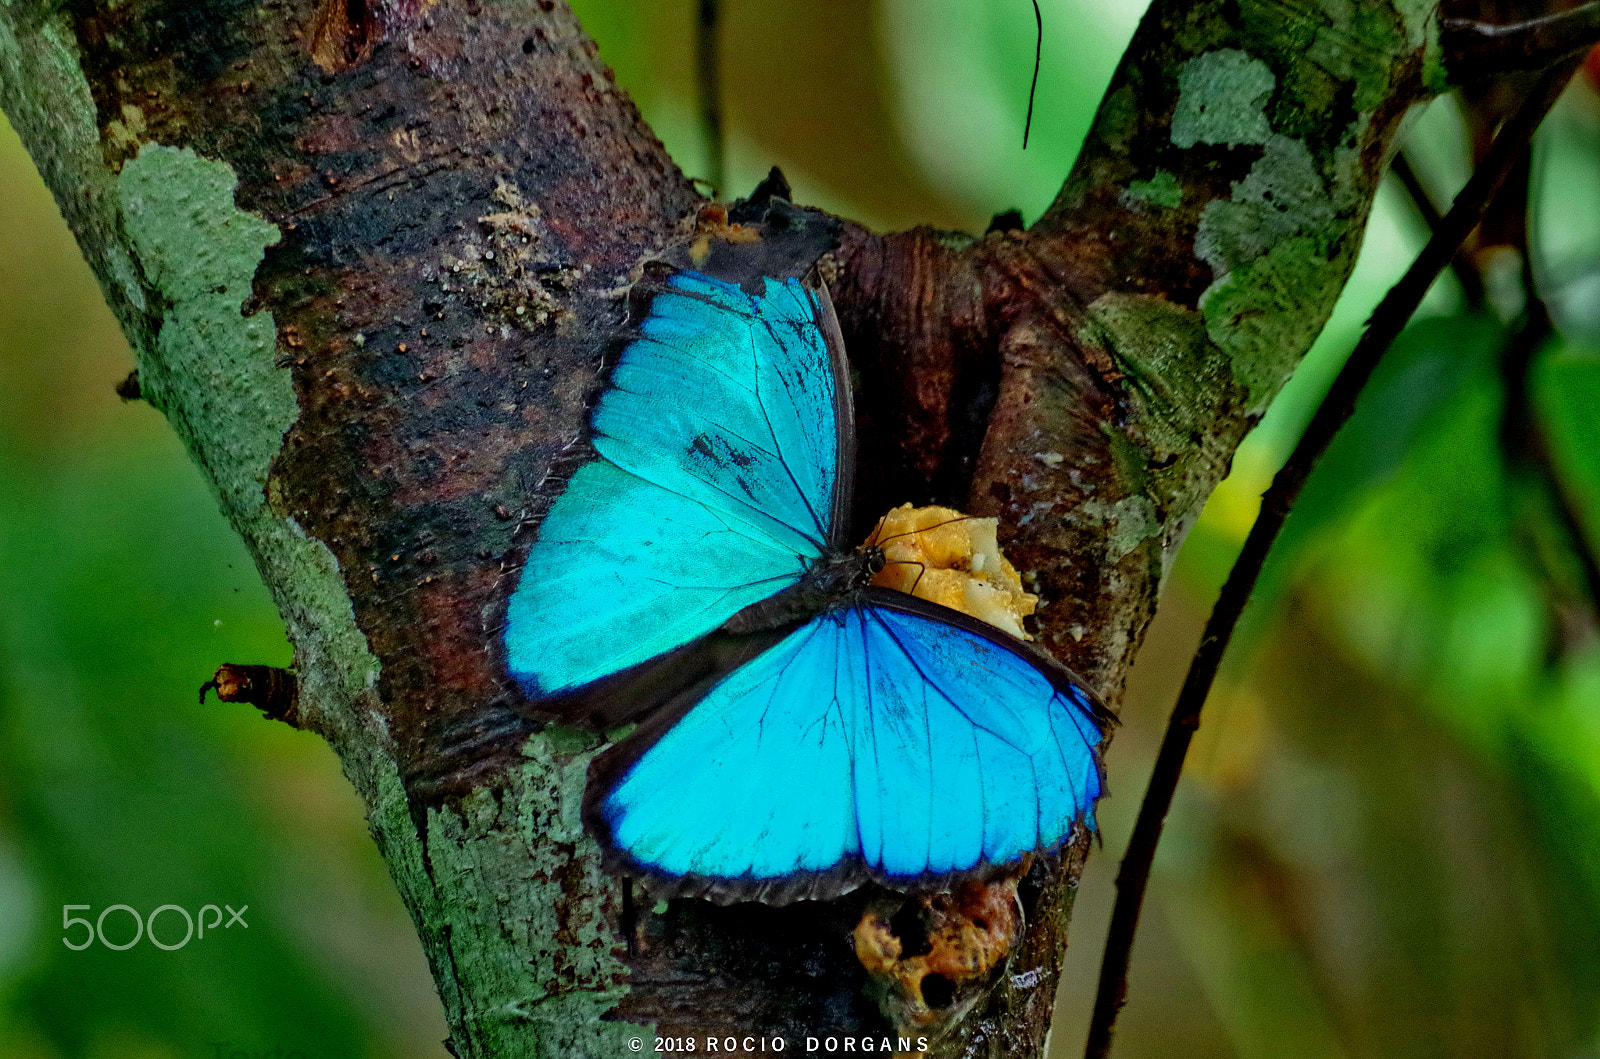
(737, 401)
(891, 739)
(721, 450)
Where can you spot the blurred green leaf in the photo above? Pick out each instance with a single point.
(1424, 375)
(120, 595)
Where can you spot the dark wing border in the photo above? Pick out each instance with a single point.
(844, 413)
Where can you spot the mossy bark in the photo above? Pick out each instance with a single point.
(365, 254)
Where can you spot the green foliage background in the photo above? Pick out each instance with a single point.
(1388, 843)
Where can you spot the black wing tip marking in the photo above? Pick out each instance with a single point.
(658, 282)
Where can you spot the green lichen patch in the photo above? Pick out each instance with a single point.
(1267, 312)
(548, 1000)
(1278, 252)
(1162, 189)
(1282, 195)
(1334, 53)
(1172, 372)
(1355, 53)
(1128, 523)
(213, 372)
(1281, 243)
(1222, 99)
(1421, 21)
(211, 364)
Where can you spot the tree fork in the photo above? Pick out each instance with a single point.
(365, 255)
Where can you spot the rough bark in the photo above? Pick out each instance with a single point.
(364, 254)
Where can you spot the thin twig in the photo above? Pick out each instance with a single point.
(1038, 53)
(1461, 267)
(1526, 442)
(1476, 50)
(1388, 320)
(708, 62)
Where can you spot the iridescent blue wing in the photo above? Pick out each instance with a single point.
(624, 570)
(721, 451)
(891, 739)
(731, 400)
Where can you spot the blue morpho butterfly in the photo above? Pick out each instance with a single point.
(800, 731)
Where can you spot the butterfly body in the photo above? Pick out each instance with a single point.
(833, 580)
(799, 730)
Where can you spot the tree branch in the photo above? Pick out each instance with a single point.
(1461, 266)
(1526, 443)
(1388, 320)
(1478, 50)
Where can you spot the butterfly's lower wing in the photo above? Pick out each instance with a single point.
(720, 452)
(742, 789)
(882, 740)
(1004, 739)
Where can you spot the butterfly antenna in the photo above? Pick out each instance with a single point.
(1038, 52)
(872, 538)
(922, 569)
(923, 529)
